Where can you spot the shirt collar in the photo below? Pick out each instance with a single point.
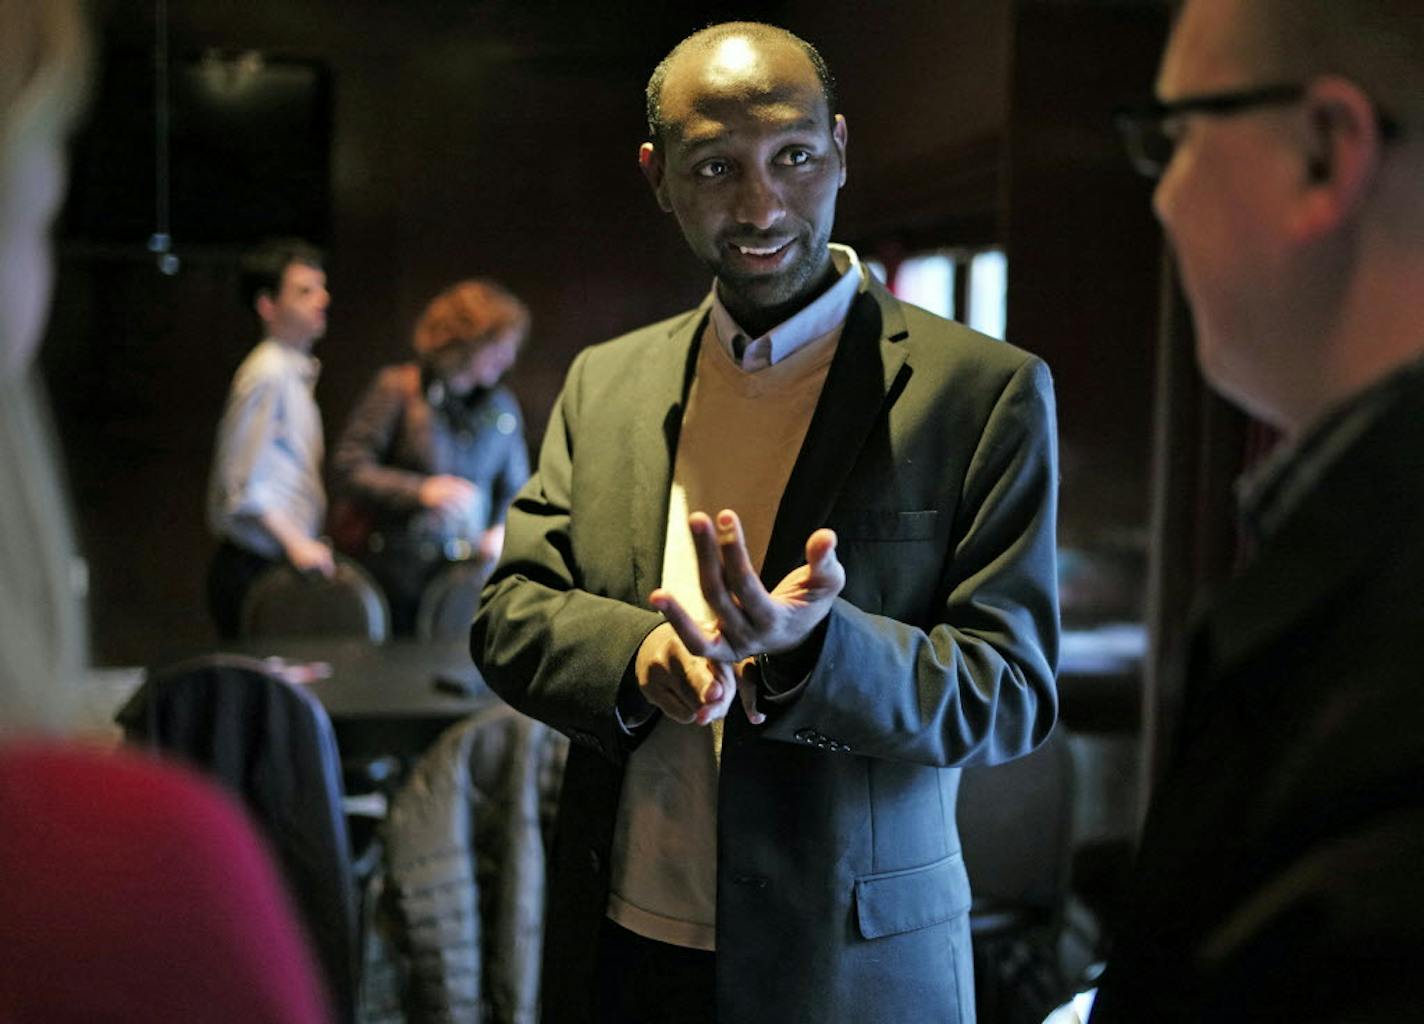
(1268, 493)
(304, 364)
(823, 315)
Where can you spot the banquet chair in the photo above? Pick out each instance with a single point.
(449, 601)
(1015, 827)
(271, 744)
(285, 603)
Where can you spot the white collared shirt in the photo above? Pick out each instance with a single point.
(269, 450)
(825, 314)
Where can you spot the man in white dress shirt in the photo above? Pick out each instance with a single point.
(266, 502)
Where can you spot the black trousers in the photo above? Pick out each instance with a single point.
(641, 981)
(229, 576)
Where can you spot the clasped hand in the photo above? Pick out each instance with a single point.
(691, 670)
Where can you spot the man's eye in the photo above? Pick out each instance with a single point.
(712, 169)
(794, 157)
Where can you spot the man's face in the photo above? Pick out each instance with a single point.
(297, 315)
(750, 165)
(1221, 202)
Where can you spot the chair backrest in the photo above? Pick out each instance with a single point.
(284, 603)
(1015, 826)
(449, 601)
(272, 745)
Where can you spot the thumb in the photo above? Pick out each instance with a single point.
(747, 691)
(821, 553)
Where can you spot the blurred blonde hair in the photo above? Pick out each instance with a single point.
(463, 319)
(44, 57)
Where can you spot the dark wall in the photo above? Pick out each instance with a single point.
(1085, 255)
(468, 140)
(925, 92)
(499, 138)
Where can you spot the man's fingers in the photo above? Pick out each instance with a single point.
(686, 685)
(718, 693)
(664, 666)
(696, 639)
(706, 681)
(674, 693)
(710, 572)
(820, 546)
(737, 571)
(747, 690)
(672, 697)
(826, 568)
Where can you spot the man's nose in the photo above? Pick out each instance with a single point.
(1164, 193)
(1161, 202)
(758, 201)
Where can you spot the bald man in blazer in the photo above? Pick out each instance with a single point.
(912, 551)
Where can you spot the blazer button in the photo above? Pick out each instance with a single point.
(806, 735)
(595, 862)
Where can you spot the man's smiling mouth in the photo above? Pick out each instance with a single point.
(761, 250)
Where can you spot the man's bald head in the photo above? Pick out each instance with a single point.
(1298, 226)
(1378, 44)
(704, 41)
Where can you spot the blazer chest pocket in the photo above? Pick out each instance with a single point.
(884, 524)
(903, 901)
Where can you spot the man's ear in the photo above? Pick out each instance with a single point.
(265, 307)
(650, 162)
(838, 136)
(1340, 155)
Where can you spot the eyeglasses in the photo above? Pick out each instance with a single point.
(1151, 141)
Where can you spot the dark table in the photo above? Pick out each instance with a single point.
(1100, 679)
(393, 698)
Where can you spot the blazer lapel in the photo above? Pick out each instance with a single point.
(658, 395)
(862, 377)
(1300, 570)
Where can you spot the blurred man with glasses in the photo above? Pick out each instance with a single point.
(1278, 873)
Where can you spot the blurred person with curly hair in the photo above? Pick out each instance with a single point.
(434, 450)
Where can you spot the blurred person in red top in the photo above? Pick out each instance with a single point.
(129, 890)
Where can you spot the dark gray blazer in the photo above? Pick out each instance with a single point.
(1279, 872)
(842, 895)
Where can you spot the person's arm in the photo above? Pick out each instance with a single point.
(514, 470)
(557, 652)
(973, 686)
(513, 474)
(358, 460)
(250, 441)
(305, 553)
(359, 463)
